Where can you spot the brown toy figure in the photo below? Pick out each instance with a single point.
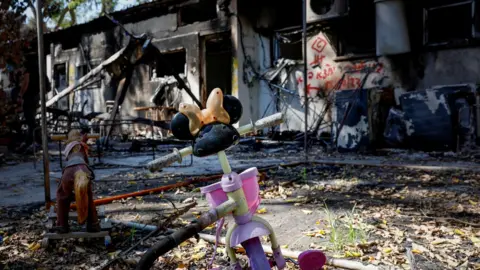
(214, 112)
(76, 183)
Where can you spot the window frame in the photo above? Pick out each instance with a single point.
(475, 33)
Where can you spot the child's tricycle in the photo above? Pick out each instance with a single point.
(211, 132)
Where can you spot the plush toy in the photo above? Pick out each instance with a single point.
(76, 183)
(210, 129)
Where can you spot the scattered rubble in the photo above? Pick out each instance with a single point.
(386, 217)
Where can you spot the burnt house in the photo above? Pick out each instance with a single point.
(188, 33)
(384, 72)
(364, 57)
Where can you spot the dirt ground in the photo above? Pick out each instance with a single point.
(400, 218)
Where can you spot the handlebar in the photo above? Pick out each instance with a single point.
(178, 155)
(166, 160)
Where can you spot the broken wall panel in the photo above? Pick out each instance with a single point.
(428, 120)
(462, 101)
(395, 130)
(432, 118)
(350, 128)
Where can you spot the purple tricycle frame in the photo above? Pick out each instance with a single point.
(243, 188)
(238, 195)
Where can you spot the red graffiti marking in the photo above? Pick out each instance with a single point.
(347, 83)
(363, 66)
(319, 44)
(310, 75)
(379, 68)
(317, 61)
(351, 83)
(311, 88)
(299, 80)
(329, 85)
(326, 72)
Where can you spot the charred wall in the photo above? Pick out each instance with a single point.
(173, 27)
(342, 56)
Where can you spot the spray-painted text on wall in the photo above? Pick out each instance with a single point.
(325, 74)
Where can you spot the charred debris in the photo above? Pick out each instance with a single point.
(123, 75)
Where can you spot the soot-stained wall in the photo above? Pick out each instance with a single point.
(167, 35)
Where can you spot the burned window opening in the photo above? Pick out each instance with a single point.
(60, 76)
(61, 82)
(292, 50)
(82, 70)
(201, 12)
(176, 65)
(218, 59)
(288, 45)
(349, 36)
(452, 21)
(355, 35)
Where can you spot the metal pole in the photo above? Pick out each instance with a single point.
(305, 76)
(41, 72)
(52, 68)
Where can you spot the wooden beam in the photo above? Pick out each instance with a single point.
(85, 78)
(121, 91)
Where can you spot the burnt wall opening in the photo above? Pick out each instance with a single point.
(219, 65)
(176, 64)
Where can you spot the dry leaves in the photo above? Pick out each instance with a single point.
(262, 210)
(307, 212)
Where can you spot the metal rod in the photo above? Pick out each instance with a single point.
(222, 157)
(87, 84)
(41, 71)
(52, 67)
(305, 76)
(60, 151)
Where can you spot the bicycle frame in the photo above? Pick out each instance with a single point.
(238, 195)
(247, 226)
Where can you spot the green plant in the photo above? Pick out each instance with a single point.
(357, 232)
(132, 234)
(304, 174)
(345, 230)
(335, 236)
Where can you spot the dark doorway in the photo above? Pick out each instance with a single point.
(218, 62)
